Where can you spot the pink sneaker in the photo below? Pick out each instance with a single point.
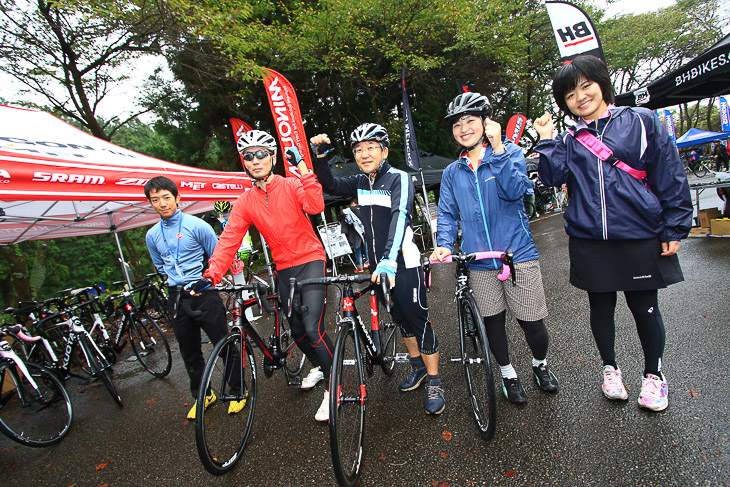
(654, 391)
(613, 385)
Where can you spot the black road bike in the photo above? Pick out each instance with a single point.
(473, 343)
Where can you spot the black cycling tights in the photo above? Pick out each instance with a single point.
(308, 326)
(644, 305)
(535, 333)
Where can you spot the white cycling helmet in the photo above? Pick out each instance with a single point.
(256, 138)
(370, 131)
(468, 104)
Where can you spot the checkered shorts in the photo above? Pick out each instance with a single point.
(526, 300)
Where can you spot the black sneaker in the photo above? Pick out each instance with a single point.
(514, 391)
(545, 378)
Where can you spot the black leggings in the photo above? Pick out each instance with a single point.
(308, 327)
(535, 333)
(644, 305)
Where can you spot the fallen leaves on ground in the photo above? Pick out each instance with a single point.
(103, 465)
(693, 393)
(446, 435)
(510, 473)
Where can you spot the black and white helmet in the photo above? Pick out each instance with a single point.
(468, 104)
(256, 138)
(370, 131)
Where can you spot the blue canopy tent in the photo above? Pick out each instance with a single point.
(696, 137)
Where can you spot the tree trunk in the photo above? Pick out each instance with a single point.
(18, 263)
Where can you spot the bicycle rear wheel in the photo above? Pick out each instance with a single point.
(150, 345)
(295, 358)
(391, 345)
(219, 436)
(30, 416)
(347, 408)
(100, 368)
(477, 366)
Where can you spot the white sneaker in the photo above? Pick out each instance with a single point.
(315, 375)
(323, 413)
(613, 384)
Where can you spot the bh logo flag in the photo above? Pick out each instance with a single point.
(670, 125)
(574, 31)
(724, 114)
(239, 128)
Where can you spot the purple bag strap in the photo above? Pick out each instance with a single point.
(600, 150)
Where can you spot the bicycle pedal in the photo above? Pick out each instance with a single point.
(295, 384)
(402, 358)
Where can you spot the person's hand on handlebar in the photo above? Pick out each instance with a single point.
(387, 267)
(198, 286)
(440, 253)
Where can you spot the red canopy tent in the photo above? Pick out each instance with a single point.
(58, 181)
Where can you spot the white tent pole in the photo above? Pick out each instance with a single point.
(121, 260)
(264, 248)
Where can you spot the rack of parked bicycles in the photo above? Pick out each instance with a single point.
(76, 334)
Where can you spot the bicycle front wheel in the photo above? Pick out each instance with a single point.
(347, 408)
(100, 367)
(699, 170)
(223, 428)
(37, 415)
(150, 345)
(477, 366)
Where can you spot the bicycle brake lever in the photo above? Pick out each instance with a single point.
(427, 274)
(385, 284)
(510, 262)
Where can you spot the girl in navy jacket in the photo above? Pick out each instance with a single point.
(626, 215)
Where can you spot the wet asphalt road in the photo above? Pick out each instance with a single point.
(572, 438)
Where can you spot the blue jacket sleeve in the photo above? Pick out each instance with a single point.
(553, 165)
(206, 237)
(510, 170)
(447, 223)
(667, 179)
(154, 253)
(401, 198)
(346, 187)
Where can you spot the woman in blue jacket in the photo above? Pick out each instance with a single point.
(483, 191)
(627, 214)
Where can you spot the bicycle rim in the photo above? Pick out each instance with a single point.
(478, 367)
(219, 436)
(391, 345)
(700, 170)
(150, 345)
(101, 368)
(347, 409)
(33, 417)
(295, 358)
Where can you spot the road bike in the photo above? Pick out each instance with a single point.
(474, 345)
(147, 338)
(230, 374)
(35, 409)
(153, 298)
(357, 352)
(699, 167)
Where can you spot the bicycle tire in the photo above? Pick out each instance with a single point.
(295, 358)
(101, 367)
(530, 210)
(391, 345)
(150, 345)
(221, 437)
(347, 408)
(699, 170)
(33, 417)
(477, 366)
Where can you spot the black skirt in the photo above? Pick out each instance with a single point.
(621, 265)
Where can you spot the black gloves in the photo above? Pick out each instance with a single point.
(197, 286)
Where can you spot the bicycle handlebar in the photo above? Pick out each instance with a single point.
(295, 285)
(505, 257)
(19, 332)
(258, 290)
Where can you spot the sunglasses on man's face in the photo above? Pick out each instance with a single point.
(259, 154)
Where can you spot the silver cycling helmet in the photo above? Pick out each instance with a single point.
(468, 104)
(370, 131)
(256, 138)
